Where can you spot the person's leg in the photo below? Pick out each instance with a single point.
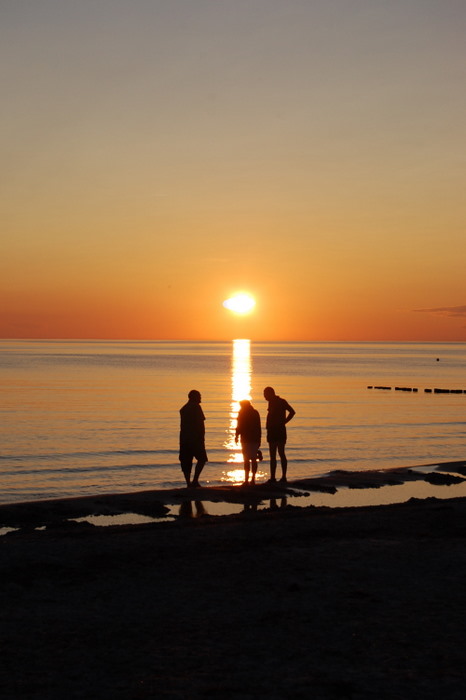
(253, 470)
(197, 472)
(273, 460)
(246, 470)
(283, 460)
(186, 466)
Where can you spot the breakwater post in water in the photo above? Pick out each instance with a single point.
(414, 389)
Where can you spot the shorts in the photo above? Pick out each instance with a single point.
(190, 451)
(276, 435)
(250, 449)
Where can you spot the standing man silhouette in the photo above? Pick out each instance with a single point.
(192, 438)
(279, 414)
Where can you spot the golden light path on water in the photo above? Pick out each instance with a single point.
(241, 374)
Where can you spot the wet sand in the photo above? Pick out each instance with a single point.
(287, 603)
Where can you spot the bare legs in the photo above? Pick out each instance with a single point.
(186, 469)
(250, 465)
(273, 448)
(197, 473)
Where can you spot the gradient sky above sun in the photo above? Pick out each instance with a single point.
(158, 157)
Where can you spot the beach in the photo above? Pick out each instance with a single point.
(282, 603)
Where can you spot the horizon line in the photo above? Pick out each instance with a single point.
(218, 340)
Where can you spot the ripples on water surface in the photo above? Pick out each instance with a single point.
(90, 417)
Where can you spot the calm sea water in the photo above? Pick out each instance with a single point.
(102, 417)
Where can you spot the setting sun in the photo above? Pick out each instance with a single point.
(240, 303)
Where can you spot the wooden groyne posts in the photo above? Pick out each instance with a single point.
(414, 389)
(397, 388)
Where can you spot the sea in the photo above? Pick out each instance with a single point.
(92, 417)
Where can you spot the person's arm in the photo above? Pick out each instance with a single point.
(238, 429)
(291, 413)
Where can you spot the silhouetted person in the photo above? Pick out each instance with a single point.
(279, 414)
(192, 438)
(248, 427)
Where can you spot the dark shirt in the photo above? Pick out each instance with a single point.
(249, 425)
(276, 415)
(192, 428)
(276, 418)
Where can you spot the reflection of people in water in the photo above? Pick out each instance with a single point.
(249, 429)
(186, 509)
(192, 438)
(274, 505)
(279, 414)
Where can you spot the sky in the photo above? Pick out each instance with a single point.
(160, 155)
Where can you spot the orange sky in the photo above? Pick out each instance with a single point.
(160, 156)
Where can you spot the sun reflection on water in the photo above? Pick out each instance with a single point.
(241, 371)
(236, 476)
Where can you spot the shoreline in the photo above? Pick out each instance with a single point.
(53, 513)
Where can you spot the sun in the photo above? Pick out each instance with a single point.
(241, 303)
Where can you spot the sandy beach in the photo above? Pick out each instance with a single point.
(287, 603)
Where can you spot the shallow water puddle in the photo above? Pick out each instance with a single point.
(199, 509)
(120, 519)
(344, 498)
(186, 509)
(384, 495)
(6, 530)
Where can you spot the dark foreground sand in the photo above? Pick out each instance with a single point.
(294, 603)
